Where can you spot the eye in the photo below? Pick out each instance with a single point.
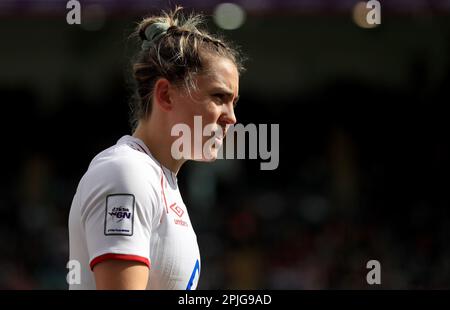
(220, 97)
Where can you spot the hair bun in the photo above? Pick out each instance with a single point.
(153, 32)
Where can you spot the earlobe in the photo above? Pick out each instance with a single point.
(161, 94)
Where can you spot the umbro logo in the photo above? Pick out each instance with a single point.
(180, 222)
(179, 212)
(176, 209)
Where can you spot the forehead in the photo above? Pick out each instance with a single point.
(221, 72)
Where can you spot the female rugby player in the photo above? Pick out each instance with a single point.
(128, 225)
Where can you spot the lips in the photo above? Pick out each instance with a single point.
(219, 133)
(224, 131)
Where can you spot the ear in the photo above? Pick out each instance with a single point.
(161, 94)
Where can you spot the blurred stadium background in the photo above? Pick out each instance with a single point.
(364, 159)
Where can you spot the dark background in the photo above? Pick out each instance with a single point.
(364, 148)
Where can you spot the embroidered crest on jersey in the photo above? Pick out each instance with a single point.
(119, 214)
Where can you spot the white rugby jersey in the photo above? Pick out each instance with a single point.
(128, 206)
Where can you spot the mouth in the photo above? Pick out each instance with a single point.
(218, 137)
(224, 131)
(218, 140)
(219, 133)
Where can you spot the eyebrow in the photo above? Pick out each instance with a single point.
(236, 99)
(227, 92)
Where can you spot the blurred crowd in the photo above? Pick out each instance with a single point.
(364, 152)
(312, 224)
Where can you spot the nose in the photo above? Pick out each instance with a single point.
(228, 117)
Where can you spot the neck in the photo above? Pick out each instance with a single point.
(158, 140)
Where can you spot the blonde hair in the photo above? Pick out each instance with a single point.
(177, 53)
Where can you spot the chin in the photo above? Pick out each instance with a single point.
(210, 159)
(210, 156)
(206, 160)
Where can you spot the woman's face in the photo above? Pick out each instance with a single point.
(209, 110)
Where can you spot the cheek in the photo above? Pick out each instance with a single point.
(212, 113)
(184, 111)
(207, 109)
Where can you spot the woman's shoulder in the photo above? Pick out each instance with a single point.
(121, 163)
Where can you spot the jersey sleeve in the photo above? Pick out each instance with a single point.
(118, 213)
